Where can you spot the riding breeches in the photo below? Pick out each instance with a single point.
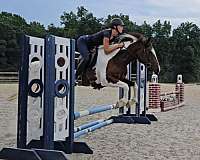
(83, 46)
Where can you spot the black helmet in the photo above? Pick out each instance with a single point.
(116, 22)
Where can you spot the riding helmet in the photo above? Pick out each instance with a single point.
(116, 22)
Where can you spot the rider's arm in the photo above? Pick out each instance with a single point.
(110, 48)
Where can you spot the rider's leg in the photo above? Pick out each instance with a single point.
(81, 68)
(83, 49)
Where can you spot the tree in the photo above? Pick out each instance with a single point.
(146, 29)
(57, 31)
(14, 21)
(187, 55)
(3, 59)
(161, 30)
(36, 29)
(178, 51)
(83, 22)
(8, 48)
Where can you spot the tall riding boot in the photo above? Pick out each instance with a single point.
(81, 68)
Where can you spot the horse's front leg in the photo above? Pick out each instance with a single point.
(124, 100)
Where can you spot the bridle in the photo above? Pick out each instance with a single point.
(144, 51)
(124, 46)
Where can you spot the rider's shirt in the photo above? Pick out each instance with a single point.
(97, 38)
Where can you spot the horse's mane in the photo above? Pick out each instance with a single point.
(125, 38)
(131, 37)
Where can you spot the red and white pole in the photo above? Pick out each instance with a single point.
(154, 92)
(180, 86)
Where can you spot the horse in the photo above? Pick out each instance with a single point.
(110, 70)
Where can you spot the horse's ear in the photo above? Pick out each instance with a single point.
(142, 39)
(148, 42)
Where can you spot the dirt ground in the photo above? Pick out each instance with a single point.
(175, 136)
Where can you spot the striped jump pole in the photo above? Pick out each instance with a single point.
(169, 93)
(87, 125)
(93, 110)
(92, 128)
(103, 108)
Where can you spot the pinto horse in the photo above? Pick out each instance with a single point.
(110, 70)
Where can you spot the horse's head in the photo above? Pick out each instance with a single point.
(145, 53)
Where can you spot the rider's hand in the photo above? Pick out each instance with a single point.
(120, 45)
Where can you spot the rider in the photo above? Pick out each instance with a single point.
(87, 42)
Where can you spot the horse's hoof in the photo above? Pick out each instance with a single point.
(76, 83)
(130, 103)
(121, 103)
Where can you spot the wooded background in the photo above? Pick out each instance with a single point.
(178, 49)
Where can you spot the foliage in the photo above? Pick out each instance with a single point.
(83, 22)
(178, 50)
